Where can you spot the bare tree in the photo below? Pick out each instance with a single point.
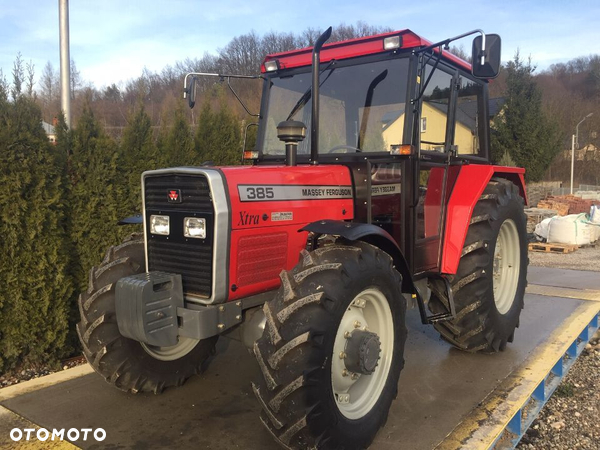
(18, 76)
(30, 80)
(3, 86)
(75, 79)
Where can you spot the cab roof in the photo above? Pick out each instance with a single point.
(357, 47)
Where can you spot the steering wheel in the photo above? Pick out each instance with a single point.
(344, 147)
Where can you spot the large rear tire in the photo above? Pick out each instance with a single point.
(321, 385)
(490, 282)
(126, 363)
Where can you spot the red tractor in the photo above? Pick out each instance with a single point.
(387, 198)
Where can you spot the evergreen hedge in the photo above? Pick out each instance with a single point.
(35, 285)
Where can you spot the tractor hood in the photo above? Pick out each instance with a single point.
(268, 196)
(269, 205)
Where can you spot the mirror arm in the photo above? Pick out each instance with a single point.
(238, 98)
(221, 78)
(445, 42)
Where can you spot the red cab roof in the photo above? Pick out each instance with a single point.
(356, 47)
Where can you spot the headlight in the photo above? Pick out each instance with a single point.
(193, 227)
(159, 225)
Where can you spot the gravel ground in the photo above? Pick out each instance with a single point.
(17, 376)
(587, 258)
(570, 418)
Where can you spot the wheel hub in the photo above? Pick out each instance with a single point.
(362, 353)
(363, 349)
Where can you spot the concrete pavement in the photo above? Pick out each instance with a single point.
(439, 388)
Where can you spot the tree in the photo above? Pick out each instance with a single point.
(75, 80)
(137, 153)
(176, 142)
(18, 77)
(49, 84)
(92, 195)
(522, 131)
(218, 138)
(35, 287)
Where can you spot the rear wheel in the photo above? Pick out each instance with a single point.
(332, 350)
(125, 363)
(490, 282)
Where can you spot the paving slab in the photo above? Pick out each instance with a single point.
(217, 410)
(574, 279)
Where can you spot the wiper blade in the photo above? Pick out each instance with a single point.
(308, 93)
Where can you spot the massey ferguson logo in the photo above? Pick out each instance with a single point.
(174, 195)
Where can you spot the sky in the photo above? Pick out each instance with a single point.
(112, 41)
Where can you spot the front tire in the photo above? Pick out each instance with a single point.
(125, 363)
(334, 311)
(489, 285)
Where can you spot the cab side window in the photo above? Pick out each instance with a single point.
(468, 131)
(434, 110)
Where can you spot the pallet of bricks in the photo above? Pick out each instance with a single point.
(567, 204)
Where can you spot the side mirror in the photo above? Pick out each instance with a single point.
(486, 62)
(190, 92)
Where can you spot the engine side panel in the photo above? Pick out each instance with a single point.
(269, 204)
(471, 181)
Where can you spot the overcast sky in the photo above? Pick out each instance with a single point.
(113, 40)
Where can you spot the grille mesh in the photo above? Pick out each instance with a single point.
(191, 258)
(261, 258)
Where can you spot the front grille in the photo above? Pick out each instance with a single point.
(191, 258)
(195, 192)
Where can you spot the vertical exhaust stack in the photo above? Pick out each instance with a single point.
(314, 126)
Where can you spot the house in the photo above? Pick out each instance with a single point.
(50, 131)
(433, 125)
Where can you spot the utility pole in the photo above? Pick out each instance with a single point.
(65, 60)
(575, 138)
(572, 160)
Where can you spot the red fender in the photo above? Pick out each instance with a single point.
(470, 183)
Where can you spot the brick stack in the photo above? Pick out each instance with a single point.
(567, 204)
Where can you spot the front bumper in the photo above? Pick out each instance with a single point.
(150, 308)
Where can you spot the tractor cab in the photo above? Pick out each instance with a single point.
(393, 106)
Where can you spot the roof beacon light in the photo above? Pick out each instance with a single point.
(391, 43)
(272, 66)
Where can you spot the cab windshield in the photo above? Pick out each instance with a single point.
(362, 107)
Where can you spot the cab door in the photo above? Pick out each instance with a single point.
(435, 146)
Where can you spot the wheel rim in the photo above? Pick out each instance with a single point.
(507, 261)
(182, 348)
(356, 394)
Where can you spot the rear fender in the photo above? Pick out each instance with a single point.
(370, 234)
(470, 184)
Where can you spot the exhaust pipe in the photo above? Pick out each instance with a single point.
(314, 122)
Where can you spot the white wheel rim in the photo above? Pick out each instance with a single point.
(507, 262)
(356, 397)
(182, 348)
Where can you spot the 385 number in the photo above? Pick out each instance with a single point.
(260, 193)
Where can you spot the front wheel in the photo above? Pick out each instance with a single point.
(127, 364)
(332, 350)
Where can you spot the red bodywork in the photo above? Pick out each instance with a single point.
(356, 47)
(470, 183)
(260, 246)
